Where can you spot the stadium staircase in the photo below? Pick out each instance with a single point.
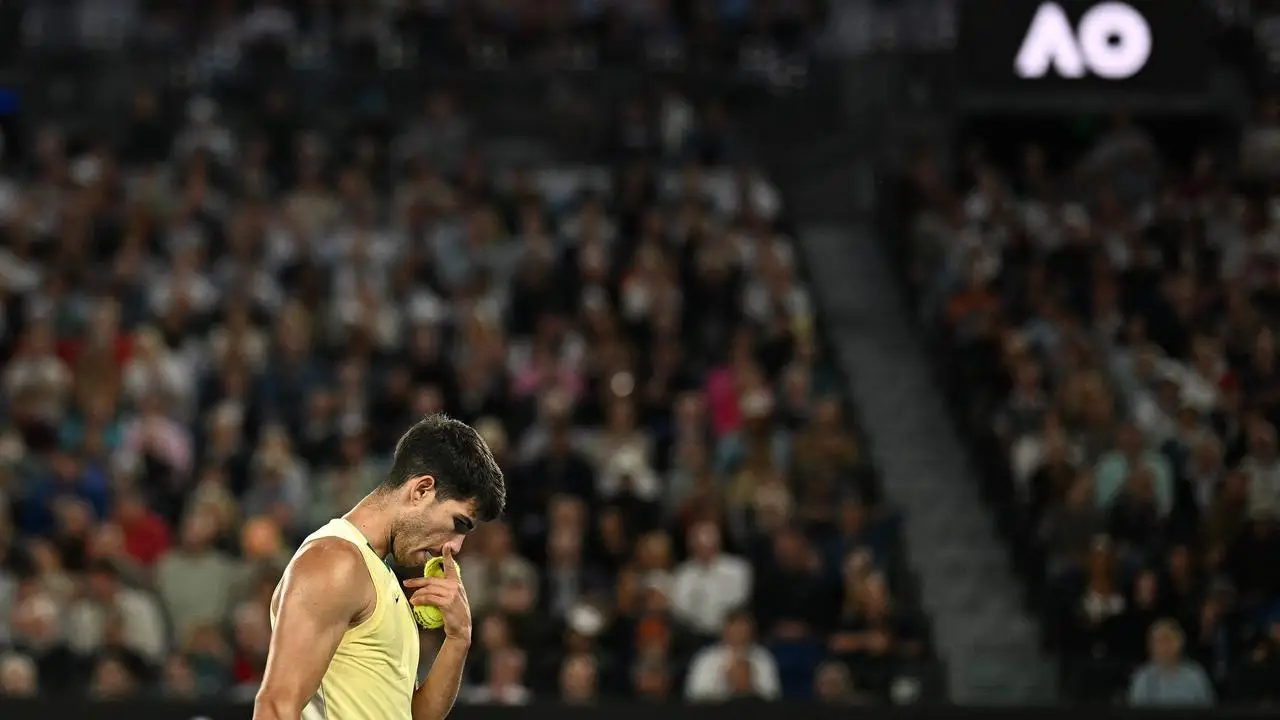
(982, 629)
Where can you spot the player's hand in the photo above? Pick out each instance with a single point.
(447, 594)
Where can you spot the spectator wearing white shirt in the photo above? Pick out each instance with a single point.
(269, 19)
(153, 433)
(204, 131)
(19, 274)
(360, 246)
(36, 374)
(713, 669)
(1155, 411)
(237, 337)
(630, 473)
(154, 369)
(745, 191)
(142, 625)
(676, 122)
(774, 295)
(1201, 381)
(710, 584)
(311, 210)
(621, 436)
(184, 281)
(1262, 468)
(365, 310)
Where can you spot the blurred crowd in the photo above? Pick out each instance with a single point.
(1107, 323)
(215, 331)
(703, 33)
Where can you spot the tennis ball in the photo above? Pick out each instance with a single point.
(429, 617)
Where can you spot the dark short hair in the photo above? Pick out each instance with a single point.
(741, 614)
(457, 457)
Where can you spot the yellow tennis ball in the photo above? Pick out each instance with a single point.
(429, 616)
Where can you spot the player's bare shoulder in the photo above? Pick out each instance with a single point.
(331, 571)
(325, 590)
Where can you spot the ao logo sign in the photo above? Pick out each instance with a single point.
(1112, 41)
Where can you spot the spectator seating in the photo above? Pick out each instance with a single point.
(216, 324)
(1105, 331)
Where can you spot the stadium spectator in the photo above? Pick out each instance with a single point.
(788, 596)
(871, 637)
(179, 680)
(19, 677)
(112, 679)
(503, 687)
(1169, 680)
(579, 680)
(734, 667)
(38, 636)
(653, 681)
(711, 584)
(832, 685)
(195, 580)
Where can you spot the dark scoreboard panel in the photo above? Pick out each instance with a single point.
(1029, 50)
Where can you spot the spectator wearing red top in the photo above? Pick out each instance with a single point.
(146, 534)
(103, 345)
(252, 635)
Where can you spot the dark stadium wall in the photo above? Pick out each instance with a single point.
(166, 710)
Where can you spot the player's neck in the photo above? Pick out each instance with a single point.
(370, 517)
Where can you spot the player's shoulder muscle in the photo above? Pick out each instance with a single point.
(318, 599)
(329, 577)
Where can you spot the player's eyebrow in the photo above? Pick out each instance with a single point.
(463, 524)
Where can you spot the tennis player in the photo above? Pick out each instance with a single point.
(345, 644)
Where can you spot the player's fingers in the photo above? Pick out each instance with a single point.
(445, 585)
(427, 582)
(430, 596)
(439, 585)
(450, 565)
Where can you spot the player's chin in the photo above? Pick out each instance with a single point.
(413, 559)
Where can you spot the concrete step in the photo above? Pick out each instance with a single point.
(967, 583)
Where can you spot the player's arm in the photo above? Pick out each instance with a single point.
(435, 697)
(324, 591)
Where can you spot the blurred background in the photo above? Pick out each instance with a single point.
(841, 352)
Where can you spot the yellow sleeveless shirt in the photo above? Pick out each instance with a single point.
(374, 671)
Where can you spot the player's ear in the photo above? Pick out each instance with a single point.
(423, 488)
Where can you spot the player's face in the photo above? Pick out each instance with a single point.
(428, 525)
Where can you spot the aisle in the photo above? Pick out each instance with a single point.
(984, 633)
